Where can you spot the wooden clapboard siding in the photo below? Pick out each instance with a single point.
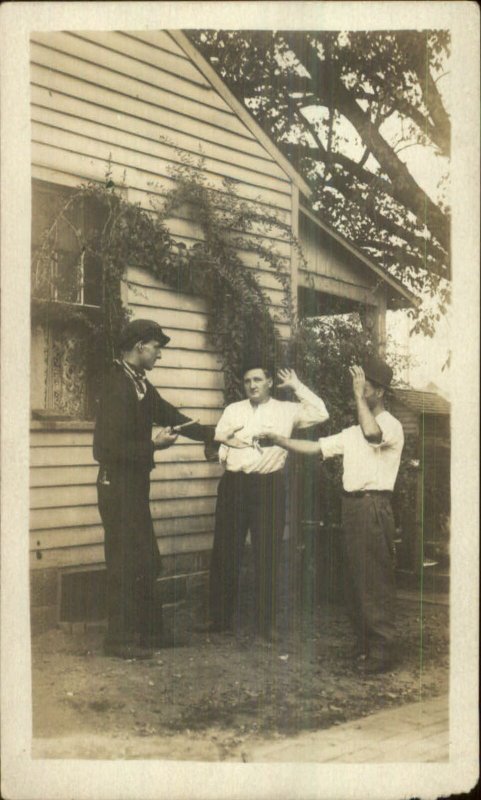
(41, 437)
(54, 539)
(98, 75)
(160, 59)
(90, 555)
(186, 229)
(145, 102)
(128, 155)
(147, 300)
(179, 378)
(43, 120)
(45, 455)
(327, 259)
(90, 161)
(84, 516)
(189, 359)
(408, 418)
(160, 40)
(75, 495)
(136, 101)
(118, 53)
(145, 306)
(51, 543)
(76, 113)
(87, 475)
(193, 397)
(61, 90)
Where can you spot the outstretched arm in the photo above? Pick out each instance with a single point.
(295, 445)
(166, 415)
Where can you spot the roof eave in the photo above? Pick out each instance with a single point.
(400, 297)
(238, 108)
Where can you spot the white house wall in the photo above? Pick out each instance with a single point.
(127, 101)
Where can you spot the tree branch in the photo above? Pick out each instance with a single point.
(405, 188)
(432, 98)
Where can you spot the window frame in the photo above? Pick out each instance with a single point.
(50, 311)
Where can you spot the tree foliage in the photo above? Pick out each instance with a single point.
(331, 101)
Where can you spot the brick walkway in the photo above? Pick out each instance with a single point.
(416, 732)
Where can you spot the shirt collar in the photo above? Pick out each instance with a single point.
(135, 375)
(258, 405)
(136, 371)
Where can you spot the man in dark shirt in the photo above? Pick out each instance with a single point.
(128, 408)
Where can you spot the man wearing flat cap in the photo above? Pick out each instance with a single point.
(371, 454)
(128, 408)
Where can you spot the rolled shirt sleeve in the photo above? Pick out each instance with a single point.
(223, 427)
(332, 445)
(311, 409)
(392, 431)
(224, 424)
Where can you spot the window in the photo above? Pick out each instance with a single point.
(66, 296)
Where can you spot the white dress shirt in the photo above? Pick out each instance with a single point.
(279, 416)
(368, 466)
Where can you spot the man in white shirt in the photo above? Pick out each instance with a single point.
(371, 454)
(251, 493)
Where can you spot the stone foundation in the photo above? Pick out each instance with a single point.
(74, 597)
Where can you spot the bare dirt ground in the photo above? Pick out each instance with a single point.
(207, 699)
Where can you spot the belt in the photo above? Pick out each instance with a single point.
(253, 475)
(374, 492)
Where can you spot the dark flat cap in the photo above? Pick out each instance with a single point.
(142, 330)
(378, 371)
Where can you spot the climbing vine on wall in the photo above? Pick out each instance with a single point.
(241, 321)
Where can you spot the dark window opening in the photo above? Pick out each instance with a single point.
(312, 303)
(67, 272)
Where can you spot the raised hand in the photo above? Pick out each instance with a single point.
(288, 378)
(358, 380)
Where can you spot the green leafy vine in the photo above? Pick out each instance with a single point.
(241, 321)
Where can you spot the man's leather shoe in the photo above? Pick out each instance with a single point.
(128, 651)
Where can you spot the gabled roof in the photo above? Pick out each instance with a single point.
(401, 296)
(422, 402)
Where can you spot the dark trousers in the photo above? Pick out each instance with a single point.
(247, 502)
(134, 611)
(369, 560)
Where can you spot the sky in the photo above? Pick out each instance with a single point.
(429, 355)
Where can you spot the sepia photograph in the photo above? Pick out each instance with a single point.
(240, 397)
